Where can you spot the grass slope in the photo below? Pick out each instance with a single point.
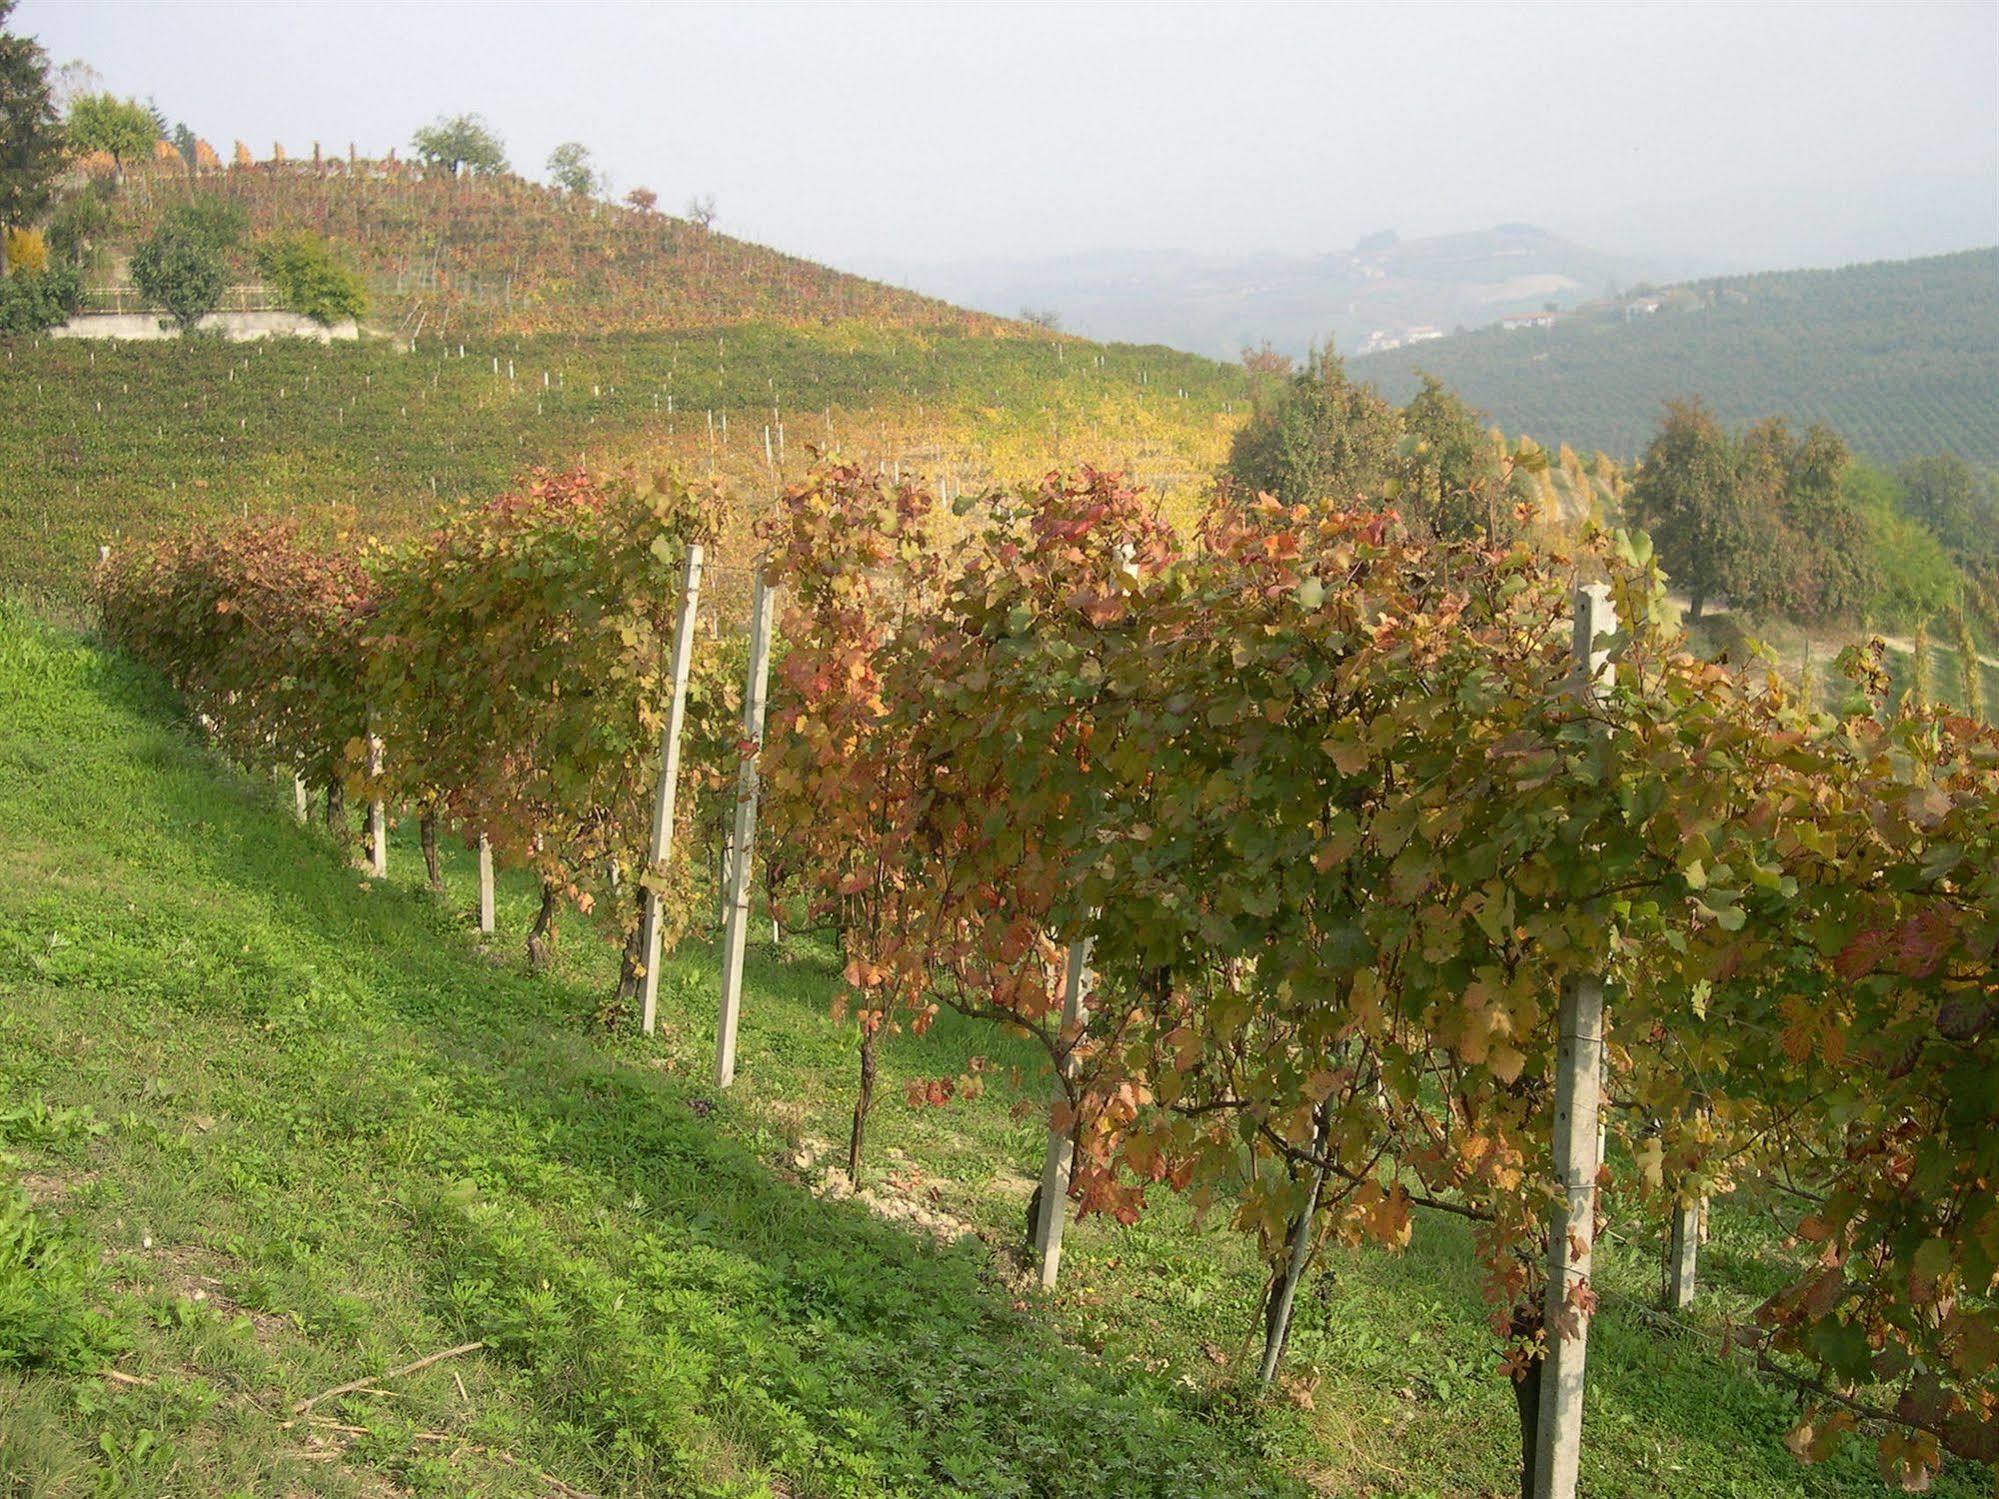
(502, 254)
(103, 441)
(285, 1128)
(1901, 358)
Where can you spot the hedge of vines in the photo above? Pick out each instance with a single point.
(1339, 830)
(512, 663)
(1323, 799)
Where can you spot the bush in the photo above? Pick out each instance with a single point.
(181, 272)
(36, 302)
(26, 251)
(309, 280)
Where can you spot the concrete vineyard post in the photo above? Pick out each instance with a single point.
(1684, 1255)
(669, 776)
(736, 920)
(485, 885)
(378, 812)
(1578, 1085)
(1061, 1142)
(299, 808)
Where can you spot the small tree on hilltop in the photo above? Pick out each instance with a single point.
(644, 199)
(569, 165)
(123, 129)
(181, 272)
(701, 211)
(462, 145)
(30, 136)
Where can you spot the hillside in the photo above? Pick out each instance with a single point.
(501, 254)
(1900, 357)
(516, 326)
(292, 1128)
(1217, 305)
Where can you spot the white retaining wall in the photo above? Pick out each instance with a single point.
(237, 327)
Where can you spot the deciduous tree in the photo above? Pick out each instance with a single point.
(461, 144)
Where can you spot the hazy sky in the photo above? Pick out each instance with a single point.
(1749, 134)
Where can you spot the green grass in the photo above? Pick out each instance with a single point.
(285, 1127)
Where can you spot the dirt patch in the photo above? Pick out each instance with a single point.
(189, 1272)
(47, 1191)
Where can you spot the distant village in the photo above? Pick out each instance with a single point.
(1627, 308)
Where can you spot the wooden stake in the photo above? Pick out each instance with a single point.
(669, 776)
(1061, 1142)
(485, 885)
(1578, 1087)
(378, 812)
(299, 809)
(736, 919)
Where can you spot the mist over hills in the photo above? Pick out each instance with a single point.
(1382, 290)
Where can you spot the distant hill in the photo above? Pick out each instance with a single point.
(1900, 357)
(502, 254)
(1383, 288)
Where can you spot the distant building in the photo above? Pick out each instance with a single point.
(1529, 320)
(1379, 342)
(1640, 307)
(1423, 334)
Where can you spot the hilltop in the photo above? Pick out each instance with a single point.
(1900, 357)
(500, 254)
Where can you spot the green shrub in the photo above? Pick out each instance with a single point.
(33, 302)
(309, 280)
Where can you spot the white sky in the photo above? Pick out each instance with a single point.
(1750, 133)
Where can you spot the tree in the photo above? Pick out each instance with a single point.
(184, 141)
(569, 164)
(1954, 502)
(1451, 483)
(463, 145)
(122, 128)
(1322, 439)
(1045, 318)
(215, 222)
(1827, 546)
(310, 280)
(701, 211)
(76, 225)
(1687, 496)
(643, 199)
(180, 271)
(31, 141)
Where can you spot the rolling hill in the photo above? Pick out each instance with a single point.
(1901, 357)
(514, 326)
(501, 254)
